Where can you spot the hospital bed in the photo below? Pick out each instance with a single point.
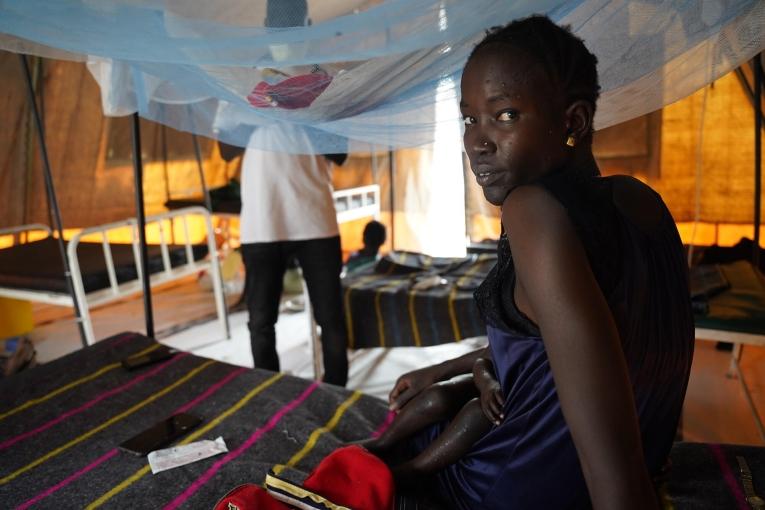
(736, 314)
(410, 299)
(103, 271)
(61, 424)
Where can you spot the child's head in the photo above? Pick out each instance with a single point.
(528, 98)
(374, 235)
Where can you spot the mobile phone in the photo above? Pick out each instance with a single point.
(161, 353)
(161, 434)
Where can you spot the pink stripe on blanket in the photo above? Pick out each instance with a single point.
(71, 478)
(729, 477)
(124, 338)
(199, 482)
(66, 481)
(212, 389)
(26, 435)
(384, 425)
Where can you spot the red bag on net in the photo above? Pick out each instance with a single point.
(292, 93)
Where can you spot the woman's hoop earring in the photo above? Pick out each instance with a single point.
(570, 141)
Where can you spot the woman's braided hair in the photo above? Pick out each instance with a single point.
(568, 62)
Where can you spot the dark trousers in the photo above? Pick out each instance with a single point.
(321, 263)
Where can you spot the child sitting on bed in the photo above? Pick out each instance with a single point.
(374, 237)
(576, 400)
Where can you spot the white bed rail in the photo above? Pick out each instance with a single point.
(118, 290)
(356, 203)
(24, 229)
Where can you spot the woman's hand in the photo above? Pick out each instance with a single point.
(492, 400)
(410, 384)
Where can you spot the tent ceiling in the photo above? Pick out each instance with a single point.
(372, 72)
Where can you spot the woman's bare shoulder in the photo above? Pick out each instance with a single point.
(637, 201)
(531, 213)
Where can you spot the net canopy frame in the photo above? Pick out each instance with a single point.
(360, 73)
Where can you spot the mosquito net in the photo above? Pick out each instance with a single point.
(360, 72)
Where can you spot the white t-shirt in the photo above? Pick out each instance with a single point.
(285, 197)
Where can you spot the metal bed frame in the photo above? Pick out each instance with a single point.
(116, 290)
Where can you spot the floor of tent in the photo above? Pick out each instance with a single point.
(715, 410)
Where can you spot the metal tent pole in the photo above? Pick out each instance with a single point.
(163, 148)
(392, 194)
(757, 68)
(205, 189)
(220, 301)
(51, 194)
(141, 216)
(39, 81)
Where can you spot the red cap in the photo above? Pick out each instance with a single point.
(353, 477)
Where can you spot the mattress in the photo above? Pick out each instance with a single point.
(61, 423)
(38, 266)
(411, 299)
(741, 306)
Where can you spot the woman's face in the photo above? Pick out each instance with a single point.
(515, 123)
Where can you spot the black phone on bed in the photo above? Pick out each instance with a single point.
(160, 353)
(161, 434)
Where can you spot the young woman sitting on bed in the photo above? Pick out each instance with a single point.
(576, 400)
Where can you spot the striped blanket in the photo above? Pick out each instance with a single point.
(60, 424)
(385, 306)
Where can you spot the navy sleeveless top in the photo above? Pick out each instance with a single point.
(529, 460)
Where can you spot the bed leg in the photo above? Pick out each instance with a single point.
(314, 343)
(217, 279)
(736, 368)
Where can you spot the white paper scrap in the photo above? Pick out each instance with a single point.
(169, 458)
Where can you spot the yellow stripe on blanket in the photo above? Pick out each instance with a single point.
(413, 319)
(378, 310)
(347, 305)
(73, 384)
(107, 423)
(453, 296)
(212, 423)
(314, 437)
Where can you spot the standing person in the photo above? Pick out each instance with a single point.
(577, 398)
(288, 210)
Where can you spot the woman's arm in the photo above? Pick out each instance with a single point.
(411, 383)
(556, 288)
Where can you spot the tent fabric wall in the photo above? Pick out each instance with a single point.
(725, 153)
(90, 153)
(73, 126)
